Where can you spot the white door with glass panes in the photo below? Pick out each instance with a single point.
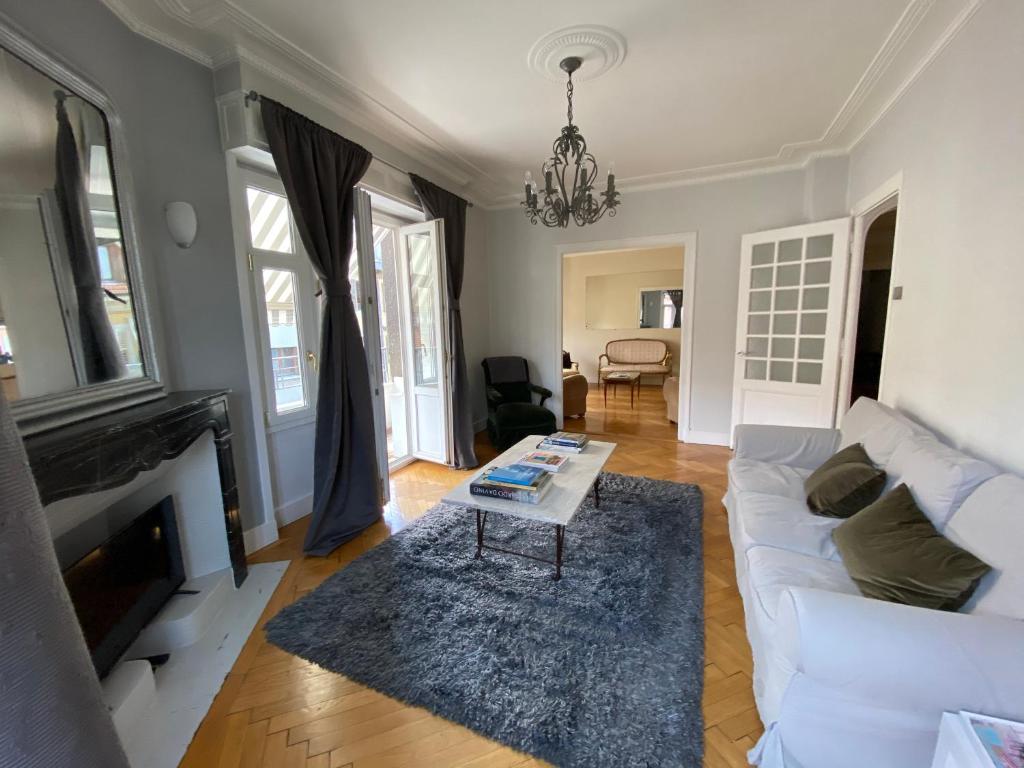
(791, 297)
(425, 287)
(285, 304)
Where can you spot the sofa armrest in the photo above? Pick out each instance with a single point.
(901, 657)
(804, 447)
(544, 392)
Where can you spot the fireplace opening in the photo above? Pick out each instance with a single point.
(118, 585)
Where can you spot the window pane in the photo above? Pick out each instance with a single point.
(789, 250)
(815, 298)
(819, 247)
(783, 347)
(786, 300)
(817, 273)
(423, 293)
(808, 373)
(788, 275)
(761, 277)
(813, 323)
(757, 346)
(781, 371)
(757, 324)
(760, 301)
(268, 221)
(812, 349)
(784, 324)
(756, 370)
(285, 353)
(764, 253)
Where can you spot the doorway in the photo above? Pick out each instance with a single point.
(638, 295)
(872, 307)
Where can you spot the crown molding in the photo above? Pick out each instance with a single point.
(231, 34)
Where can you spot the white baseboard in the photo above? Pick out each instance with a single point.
(291, 511)
(707, 438)
(260, 536)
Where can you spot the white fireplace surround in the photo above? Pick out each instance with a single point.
(157, 713)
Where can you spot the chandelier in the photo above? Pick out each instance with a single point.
(562, 204)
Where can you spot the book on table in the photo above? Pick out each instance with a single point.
(564, 441)
(486, 485)
(516, 474)
(546, 460)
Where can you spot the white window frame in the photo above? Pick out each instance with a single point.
(307, 309)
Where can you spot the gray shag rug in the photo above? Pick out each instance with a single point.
(602, 668)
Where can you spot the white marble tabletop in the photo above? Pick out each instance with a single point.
(569, 487)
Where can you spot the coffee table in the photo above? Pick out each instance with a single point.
(622, 377)
(564, 498)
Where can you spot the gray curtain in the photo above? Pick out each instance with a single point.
(51, 709)
(441, 204)
(100, 351)
(677, 302)
(319, 170)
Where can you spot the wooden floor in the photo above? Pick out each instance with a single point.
(276, 710)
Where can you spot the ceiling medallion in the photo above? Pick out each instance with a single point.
(569, 154)
(601, 48)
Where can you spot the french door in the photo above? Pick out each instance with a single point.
(789, 325)
(427, 342)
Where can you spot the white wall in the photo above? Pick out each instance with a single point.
(954, 346)
(633, 269)
(524, 266)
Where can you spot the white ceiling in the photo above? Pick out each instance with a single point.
(706, 88)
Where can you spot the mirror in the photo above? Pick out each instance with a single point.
(634, 300)
(72, 322)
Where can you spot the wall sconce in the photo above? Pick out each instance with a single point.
(181, 223)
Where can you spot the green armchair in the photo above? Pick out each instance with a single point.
(511, 413)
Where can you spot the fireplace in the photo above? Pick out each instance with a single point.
(118, 586)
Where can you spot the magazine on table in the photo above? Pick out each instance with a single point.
(546, 460)
(574, 439)
(1002, 741)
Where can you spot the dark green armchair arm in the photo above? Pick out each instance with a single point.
(544, 392)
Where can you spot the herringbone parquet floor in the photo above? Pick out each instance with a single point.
(277, 711)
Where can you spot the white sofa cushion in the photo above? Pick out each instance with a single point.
(771, 571)
(764, 519)
(939, 477)
(990, 525)
(765, 477)
(879, 428)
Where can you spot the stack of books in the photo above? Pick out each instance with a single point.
(516, 482)
(565, 441)
(546, 460)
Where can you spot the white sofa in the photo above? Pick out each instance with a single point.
(844, 681)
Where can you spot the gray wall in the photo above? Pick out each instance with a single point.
(954, 341)
(166, 103)
(524, 268)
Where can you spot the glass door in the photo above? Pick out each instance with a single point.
(422, 248)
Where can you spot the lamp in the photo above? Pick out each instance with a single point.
(181, 223)
(574, 198)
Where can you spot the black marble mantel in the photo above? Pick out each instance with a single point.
(111, 450)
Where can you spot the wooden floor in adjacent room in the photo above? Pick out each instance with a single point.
(278, 711)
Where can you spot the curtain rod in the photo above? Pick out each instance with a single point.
(254, 96)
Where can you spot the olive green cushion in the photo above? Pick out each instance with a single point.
(844, 484)
(893, 552)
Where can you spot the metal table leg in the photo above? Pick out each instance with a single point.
(481, 521)
(559, 544)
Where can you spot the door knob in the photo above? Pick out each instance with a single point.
(741, 353)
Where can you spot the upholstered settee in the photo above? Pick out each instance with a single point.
(645, 356)
(844, 681)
